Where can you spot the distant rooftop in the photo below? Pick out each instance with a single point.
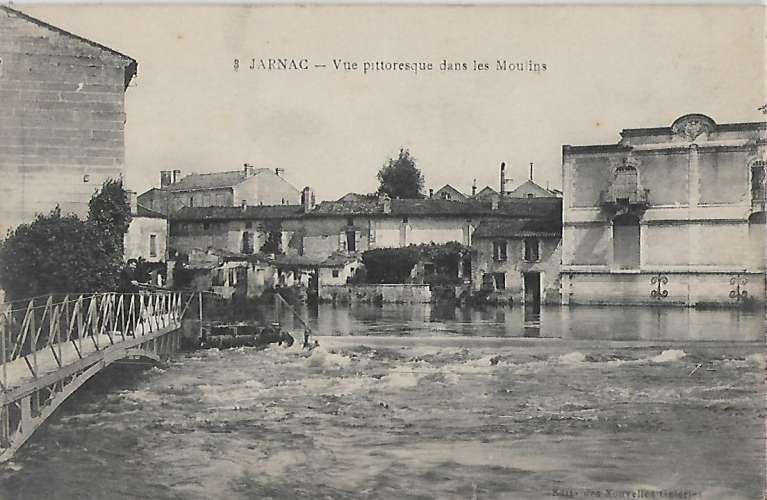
(214, 180)
(237, 213)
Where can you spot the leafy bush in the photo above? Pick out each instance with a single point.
(57, 254)
(64, 254)
(389, 265)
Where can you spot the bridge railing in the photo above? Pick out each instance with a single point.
(103, 319)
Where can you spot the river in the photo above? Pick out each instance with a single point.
(426, 402)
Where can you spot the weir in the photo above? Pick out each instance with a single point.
(52, 346)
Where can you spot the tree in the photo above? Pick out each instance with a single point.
(401, 178)
(109, 212)
(389, 265)
(56, 254)
(64, 254)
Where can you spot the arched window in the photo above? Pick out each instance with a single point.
(626, 249)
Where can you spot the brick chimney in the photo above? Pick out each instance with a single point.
(176, 176)
(503, 178)
(279, 172)
(431, 193)
(248, 169)
(165, 178)
(474, 188)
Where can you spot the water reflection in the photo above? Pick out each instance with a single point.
(575, 322)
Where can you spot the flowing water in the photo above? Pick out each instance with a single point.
(422, 402)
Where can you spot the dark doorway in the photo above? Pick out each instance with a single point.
(532, 289)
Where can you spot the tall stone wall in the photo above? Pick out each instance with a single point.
(62, 118)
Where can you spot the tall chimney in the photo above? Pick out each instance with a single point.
(503, 178)
(431, 193)
(248, 169)
(165, 178)
(531, 170)
(176, 176)
(474, 188)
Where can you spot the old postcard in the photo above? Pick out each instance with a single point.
(382, 251)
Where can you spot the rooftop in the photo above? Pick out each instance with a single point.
(213, 180)
(237, 213)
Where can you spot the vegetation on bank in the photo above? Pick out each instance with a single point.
(57, 254)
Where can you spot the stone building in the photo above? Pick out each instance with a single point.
(147, 234)
(668, 215)
(248, 186)
(236, 230)
(519, 258)
(62, 120)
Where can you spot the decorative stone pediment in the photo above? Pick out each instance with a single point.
(690, 127)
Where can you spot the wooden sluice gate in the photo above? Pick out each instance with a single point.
(253, 333)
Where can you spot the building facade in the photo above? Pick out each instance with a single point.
(62, 120)
(237, 230)
(669, 215)
(249, 186)
(518, 259)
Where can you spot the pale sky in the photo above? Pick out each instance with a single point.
(608, 68)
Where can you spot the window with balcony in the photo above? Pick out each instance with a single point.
(625, 185)
(500, 251)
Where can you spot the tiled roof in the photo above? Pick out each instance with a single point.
(237, 213)
(212, 180)
(296, 261)
(509, 207)
(518, 228)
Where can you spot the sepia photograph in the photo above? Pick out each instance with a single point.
(382, 252)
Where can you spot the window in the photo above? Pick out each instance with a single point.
(532, 253)
(500, 250)
(500, 281)
(351, 241)
(626, 234)
(247, 242)
(530, 195)
(335, 273)
(153, 245)
(350, 221)
(191, 201)
(248, 225)
(625, 186)
(758, 186)
(405, 220)
(206, 225)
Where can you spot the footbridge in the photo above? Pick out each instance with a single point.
(51, 346)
